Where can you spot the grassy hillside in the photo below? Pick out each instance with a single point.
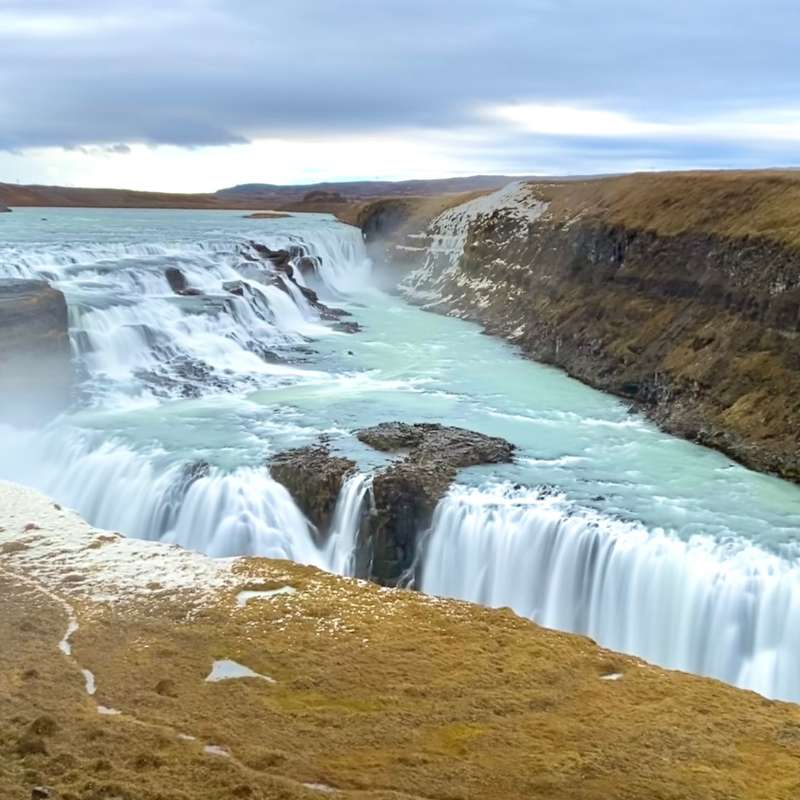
(375, 694)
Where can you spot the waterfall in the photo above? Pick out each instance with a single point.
(339, 552)
(124, 462)
(147, 495)
(723, 609)
(137, 339)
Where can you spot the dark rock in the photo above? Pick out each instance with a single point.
(279, 258)
(438, 444)
(176, 280)
(331, 314)
(4, 210)
(314, 478)
(347, 327)
(43, 726)
(41, 793)
(406, 494)
(178, 283)
(309, 295)
(36, 370)
(234, 287)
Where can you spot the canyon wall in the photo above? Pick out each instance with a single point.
(35, 362)
(678, 291)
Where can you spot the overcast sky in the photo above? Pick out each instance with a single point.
(195, 95)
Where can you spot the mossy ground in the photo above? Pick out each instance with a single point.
(379, 694)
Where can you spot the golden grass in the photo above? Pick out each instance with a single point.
(378, 694)
(764, 204)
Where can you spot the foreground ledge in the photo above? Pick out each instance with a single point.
(107, 644)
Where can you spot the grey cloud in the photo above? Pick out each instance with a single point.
(219, 72)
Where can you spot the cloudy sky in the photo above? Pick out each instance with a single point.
(195, 95)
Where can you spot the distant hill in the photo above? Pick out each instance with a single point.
(251, 196)
(59, 196)
(365, 190)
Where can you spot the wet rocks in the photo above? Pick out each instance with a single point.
(438, 445)
(179, 284)
(235, 288)
(4, 210)
(314, 478)
(36, 371)
(407, 492)
(347, 327)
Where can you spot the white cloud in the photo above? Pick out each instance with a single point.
(204, 169)
(764, 125)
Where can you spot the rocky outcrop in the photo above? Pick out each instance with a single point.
(281, 274)
(404, 494)
(407, 492)
(314, 478)
(36, 370)
(179, 284)
(681, 293)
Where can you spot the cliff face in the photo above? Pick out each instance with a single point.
(681, 292)
(35, 362)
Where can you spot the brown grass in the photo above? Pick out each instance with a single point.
(744, 204)
(380, 694)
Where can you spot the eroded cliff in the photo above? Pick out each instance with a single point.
(35, 361)
(678, 291)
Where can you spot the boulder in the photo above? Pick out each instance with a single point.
(178, 283)
(314, 478)
(36, 370)
(234, 287)
(347, 327)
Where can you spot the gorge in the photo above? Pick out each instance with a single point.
(198, 401)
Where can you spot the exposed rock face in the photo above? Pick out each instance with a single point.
(36, 370)
(679, 292)
(406, 493)
(314, 478)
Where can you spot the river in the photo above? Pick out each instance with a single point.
(603, 525)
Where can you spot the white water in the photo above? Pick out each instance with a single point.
(650, 545)
(727, 610)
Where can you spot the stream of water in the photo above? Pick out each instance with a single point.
(603, 525)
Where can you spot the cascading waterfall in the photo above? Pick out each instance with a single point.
(339, 552)
(144, 495)
(184, 396)
(726, 610)
(139, 341)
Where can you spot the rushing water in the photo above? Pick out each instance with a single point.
(603, 526)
